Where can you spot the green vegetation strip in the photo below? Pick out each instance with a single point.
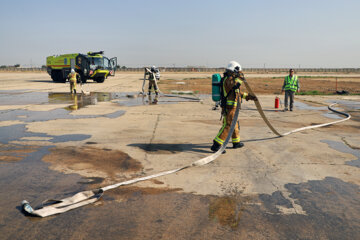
(320, 77)
(315, 92)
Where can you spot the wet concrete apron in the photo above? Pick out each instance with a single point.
(332, 206)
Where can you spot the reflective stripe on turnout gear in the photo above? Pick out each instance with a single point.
(73, 77)
(237, 80)
(225, 128)
(291, 83)
(217, 138)
(231, 94)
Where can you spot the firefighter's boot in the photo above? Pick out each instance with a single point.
(216, 146)
(238, 145)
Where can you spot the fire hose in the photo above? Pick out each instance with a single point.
(259, 108)
(52, 207)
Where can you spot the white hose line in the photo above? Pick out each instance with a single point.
(259, 108)
(143, 86)
(86, 197)
(348, 116)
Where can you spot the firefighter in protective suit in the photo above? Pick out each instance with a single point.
(232, 81)
(152, 78)
(72, 79)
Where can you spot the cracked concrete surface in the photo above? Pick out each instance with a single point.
(168, 136)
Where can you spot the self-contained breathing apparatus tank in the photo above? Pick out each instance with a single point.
(216, 85)
(233, 67)
(217, 92)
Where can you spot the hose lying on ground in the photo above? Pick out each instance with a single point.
(91, 196)
(259, 108)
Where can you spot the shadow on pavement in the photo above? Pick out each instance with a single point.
(167, 148)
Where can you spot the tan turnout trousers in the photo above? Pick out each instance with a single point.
(231, 104)
(224, 130)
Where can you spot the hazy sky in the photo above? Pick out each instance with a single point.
(279, 33)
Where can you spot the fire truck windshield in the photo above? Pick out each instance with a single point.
(96, 62)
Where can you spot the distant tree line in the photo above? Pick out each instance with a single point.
(118, 67)
(12, 66)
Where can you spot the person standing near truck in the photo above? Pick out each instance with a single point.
(72, 79)
(291, 85)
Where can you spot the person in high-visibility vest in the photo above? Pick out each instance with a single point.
(290, 86)
(72, 79)
(232, 81)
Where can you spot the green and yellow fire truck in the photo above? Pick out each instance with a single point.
(94, 66)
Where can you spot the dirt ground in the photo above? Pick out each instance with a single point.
(54, 144)
(270, 85)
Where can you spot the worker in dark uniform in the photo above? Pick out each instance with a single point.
(232, 81)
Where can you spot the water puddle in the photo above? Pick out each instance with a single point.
(39, 116)
(123, 99)
(135, 100)
(22, 97)
(329, 114)
(10, 152)
(303, 106)
(77, 101)
(352, 105)
(333, 115)
(342, 147)
(15, 152)
(19, 132)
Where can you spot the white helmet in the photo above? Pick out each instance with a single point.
(233, 66)
(153, 68)
(72, 71)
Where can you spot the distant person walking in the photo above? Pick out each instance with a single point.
(291, 85)
(72, 79)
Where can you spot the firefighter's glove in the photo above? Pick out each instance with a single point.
(241, 76)
(236, 86)
(251, 97)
